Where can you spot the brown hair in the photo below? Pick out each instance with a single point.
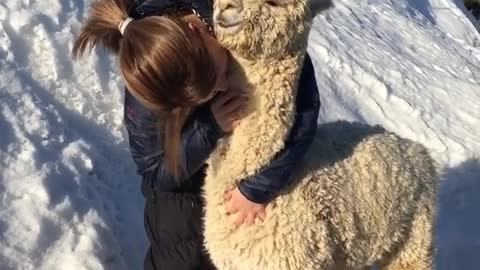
(165, 65)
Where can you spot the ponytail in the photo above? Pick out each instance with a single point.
(101, 27)
(174, 123)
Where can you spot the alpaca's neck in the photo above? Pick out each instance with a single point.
(262, 132)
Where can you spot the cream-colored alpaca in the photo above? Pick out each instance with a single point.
(373, 203)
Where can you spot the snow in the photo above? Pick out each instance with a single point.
(69, 193)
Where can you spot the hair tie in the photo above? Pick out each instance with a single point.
(123, 25)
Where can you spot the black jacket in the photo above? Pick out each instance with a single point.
(201, 133)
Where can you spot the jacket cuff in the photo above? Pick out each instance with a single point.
(254, 194)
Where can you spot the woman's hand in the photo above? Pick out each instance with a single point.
(225, 108)
(245, 210)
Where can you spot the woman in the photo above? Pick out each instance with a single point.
(177, 105)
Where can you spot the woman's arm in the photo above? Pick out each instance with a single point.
(199, 137)
(271, 180)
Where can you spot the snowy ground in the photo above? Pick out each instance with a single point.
(69, 195)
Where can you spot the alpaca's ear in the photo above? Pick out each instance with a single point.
(317, 6)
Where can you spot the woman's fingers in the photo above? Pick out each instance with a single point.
(236, 104)
(228, 195)
(231, 209)
(262, 215)
(226, 107)
(240, 219)
(235, 123)
(224, 98)
(250, 219)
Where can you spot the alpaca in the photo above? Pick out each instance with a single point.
(362, 199)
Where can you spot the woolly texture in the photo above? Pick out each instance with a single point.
(365, 196)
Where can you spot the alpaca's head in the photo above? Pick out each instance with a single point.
(263, 28)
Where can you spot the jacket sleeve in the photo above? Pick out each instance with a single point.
(199, 138)
(271, 180)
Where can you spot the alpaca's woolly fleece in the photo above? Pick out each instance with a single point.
(371, 202)
(351, 213)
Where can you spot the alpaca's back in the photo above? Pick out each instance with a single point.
(370, 196)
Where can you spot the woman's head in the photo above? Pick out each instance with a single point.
(165, 63)
(170, 63)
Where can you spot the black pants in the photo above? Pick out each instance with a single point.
(173, 222)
